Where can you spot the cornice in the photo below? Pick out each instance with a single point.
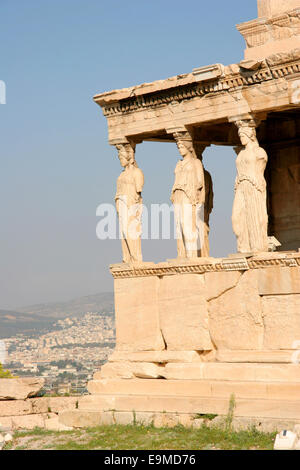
(202, 266)
(235, 77)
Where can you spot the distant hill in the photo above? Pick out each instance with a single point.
(38, 317)
(12, 323)
(103, 302)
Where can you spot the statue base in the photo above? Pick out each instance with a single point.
(194, 334)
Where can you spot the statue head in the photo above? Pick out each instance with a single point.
(185, 144)
(247, 133)
(126, 154)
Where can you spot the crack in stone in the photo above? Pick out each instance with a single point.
(228, 289)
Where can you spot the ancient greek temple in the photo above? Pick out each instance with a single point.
(197, 330)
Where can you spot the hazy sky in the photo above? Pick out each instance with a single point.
(56, 165)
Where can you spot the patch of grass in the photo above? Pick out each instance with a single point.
(8, 445)
(230, 413)
(140, 437)
(34, 432)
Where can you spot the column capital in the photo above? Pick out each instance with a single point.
(124, 141)
(248, 119)
(176, 130)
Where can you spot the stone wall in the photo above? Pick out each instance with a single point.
(234, 308)
(35, 412)
(20, 408)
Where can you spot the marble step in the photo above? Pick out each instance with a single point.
(162, 357)
(86, 418)
(196, 388)
(244, 407)
(255, 372)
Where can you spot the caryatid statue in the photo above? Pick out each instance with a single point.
(188, 197)
(209, 198)
(129, 203)
(250, 217)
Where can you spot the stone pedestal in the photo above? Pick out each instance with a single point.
(191, 335)
(208, 305)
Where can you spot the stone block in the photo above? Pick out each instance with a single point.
(28, 421)
(144, 419)
(234, 372)
(256, 389)
(58, 404)
(146, 370)
(137, 316)
(160, 357)
(186, 420)
(264, 356)
(39, 405)
(53, 424)
(124, 418)
(217, 283)
(235, 316)
(148, 387)
(128, 370)
(224, 389)
(115, 369)
(208, 72)
(15, 408)
(283, 391)
(281, 314)
(5, 423)
(107, 418)
(80, 418)
(96, 402)
(20, 389)
(183, 312)
(166, 420)
(244, 407)
(279, 281)
(198, 423)
(271, 8)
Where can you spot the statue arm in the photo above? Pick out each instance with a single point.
(263, 154)
(200, 175)
(139, 180)
(200, 184)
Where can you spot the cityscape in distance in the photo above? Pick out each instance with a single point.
(64, 342)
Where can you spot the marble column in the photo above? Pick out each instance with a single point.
(129, 203)
(188, 197)
(250, 217)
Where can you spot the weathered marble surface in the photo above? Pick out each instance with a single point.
(249, 216)
(129, 203)
(234, 305)
(188, 197)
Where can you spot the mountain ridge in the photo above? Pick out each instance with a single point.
(32, 318)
